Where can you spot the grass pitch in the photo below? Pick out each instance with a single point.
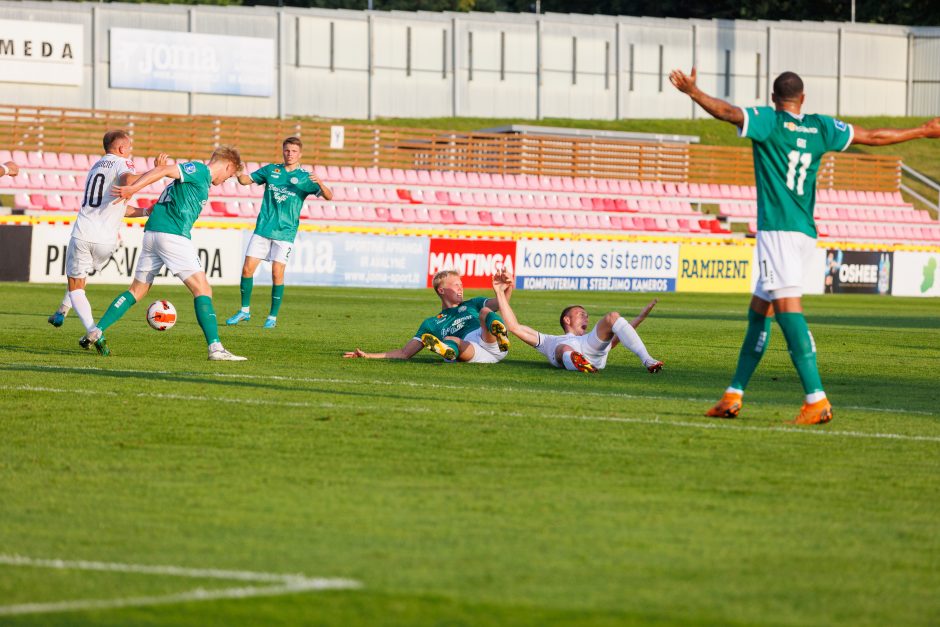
(464, 494)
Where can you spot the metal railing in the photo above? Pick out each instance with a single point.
(924, 180)
(194, 137)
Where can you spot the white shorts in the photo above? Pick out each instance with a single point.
(165, 249)
(82, 258)
(483, 352)
(781, 258)
(261, 247)
(594, 349)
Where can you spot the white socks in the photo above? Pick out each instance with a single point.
(83, 308)
(815, 397)
(246, 310)
(66, 303)
(631, 340)
(566, 360)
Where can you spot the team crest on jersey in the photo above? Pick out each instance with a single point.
(293, 180)
(189, 168)
(462, 309)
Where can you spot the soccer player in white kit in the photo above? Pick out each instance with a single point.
(578, 349)
(95, 232)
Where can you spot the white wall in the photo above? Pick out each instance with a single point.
(355, 64)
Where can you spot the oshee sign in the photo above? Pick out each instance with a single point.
(858, 272)
(916, 274)
(725, 269)
(475, 260)
(175, 61)
(41, 52)
(351, 260)
(603, 266)
(219, 251)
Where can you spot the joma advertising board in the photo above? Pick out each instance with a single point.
(601, 266)
(219, 251)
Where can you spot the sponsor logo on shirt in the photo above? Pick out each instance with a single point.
(130, 165)
(281, 193)
(277, 170)
(189, 168)
(791, 126)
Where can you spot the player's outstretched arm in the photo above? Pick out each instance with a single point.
(888, 136)
(10, 168)
(325, 191)
(505, 280)
(526, 334)
(716, 107)
(151, 176)
(642, 315)
(129, 179)
(407, 351)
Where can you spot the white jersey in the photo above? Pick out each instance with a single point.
(100, 218)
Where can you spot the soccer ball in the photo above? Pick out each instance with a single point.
(161, 315)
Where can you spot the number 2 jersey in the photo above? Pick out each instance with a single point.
(98, 220)
(787, 151)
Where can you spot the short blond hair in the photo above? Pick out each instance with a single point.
(440, 276)
(227, 153)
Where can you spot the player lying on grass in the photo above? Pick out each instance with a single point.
(286, 186)
(465, 330)
(95, 232)
(578, 349)
(168, 242)
(788, 146)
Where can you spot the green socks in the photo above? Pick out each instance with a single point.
(246, 285)
(802, 350)
(277, 292)
(116, 309)
(454, 345)
(205, 315)
(493, 315)
(755, 343)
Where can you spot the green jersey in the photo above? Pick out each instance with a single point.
(787, 151)
(459, 321)
(284, 195)
(182, 201)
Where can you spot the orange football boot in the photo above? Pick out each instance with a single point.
(727, 407)
(817, 413)
(581, 363)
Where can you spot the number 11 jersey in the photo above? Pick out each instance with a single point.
(787, 151)
(98, 220)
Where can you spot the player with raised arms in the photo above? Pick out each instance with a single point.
(787, 145)
(286, 186)
(465, 330)
(578, 349)
(95, 232)
(168, 242)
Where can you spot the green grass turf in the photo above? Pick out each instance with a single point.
(465, 494)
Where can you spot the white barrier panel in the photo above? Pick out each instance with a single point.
(219, 250)
(916, 274)
(602, 266)
(41, 52)
(206, 64)
(351, 260)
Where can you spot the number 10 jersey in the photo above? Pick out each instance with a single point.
(99, 219)
(787, 151)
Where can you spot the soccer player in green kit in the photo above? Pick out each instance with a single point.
(465, 330)
(286, 187)
(788, 145)
(168, 242)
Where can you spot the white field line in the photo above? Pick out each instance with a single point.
(719, 424)
(428, 385)
(278, 584)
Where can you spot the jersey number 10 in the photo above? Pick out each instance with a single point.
(794, 159)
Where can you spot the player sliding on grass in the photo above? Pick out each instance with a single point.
(465, 330)
(577, 349)
(95, 233)
(167, 242)
(286, 186)
(787, 146)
